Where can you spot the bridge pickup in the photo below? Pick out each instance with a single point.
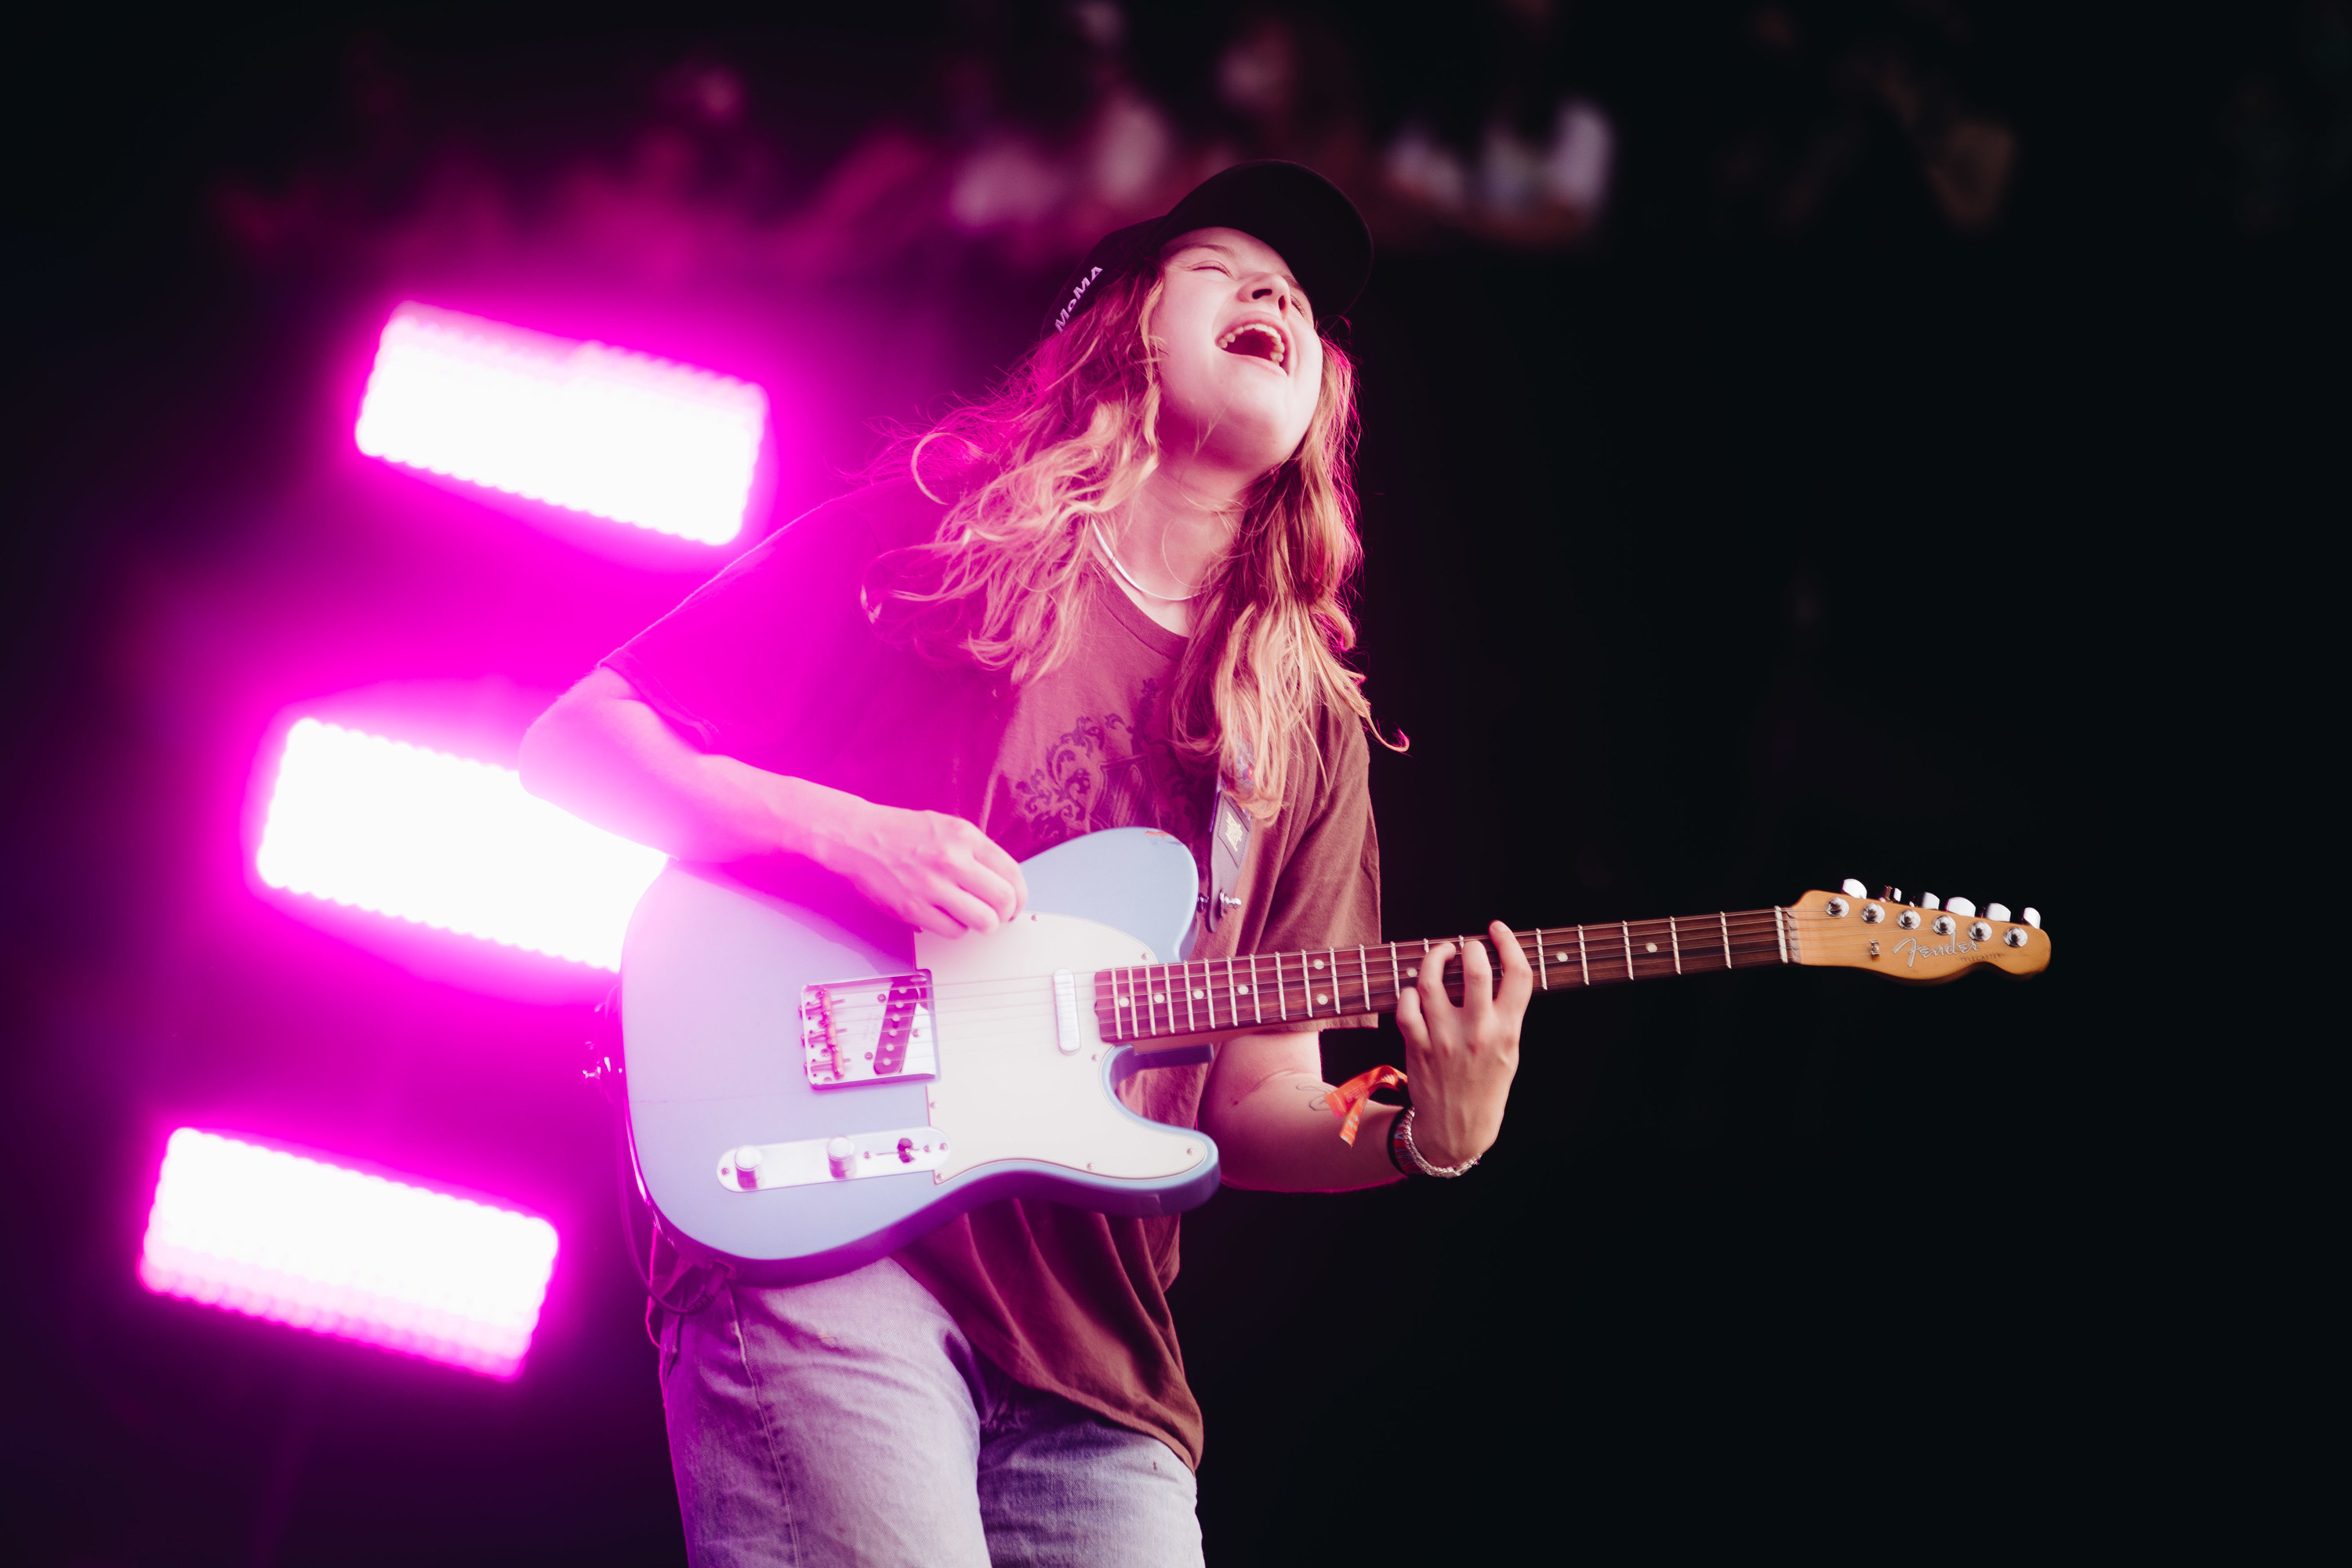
(868, 1031)
(812, 1162)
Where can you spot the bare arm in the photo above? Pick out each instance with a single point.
(604, 754)
(1266, 1107)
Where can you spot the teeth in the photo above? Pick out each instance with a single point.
(1230, 339)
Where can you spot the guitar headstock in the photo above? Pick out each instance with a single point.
(1924, 944)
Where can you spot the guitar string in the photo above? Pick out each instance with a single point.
(1756, 926)
(1762, 934)
(1758, 944)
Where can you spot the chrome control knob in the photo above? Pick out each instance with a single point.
(841, 1154)
(1996, 912)
(1853, 888)
(1961, 907)
(2031, 917)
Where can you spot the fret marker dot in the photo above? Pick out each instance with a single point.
(1560, 957)
(1412, 974)
(1321, 1000)
(1123, 1001)
(1318, 963)
(1198, 994)
(1652, 948)
(1243, 990)
(1156, 997)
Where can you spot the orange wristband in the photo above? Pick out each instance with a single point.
(1346, 1101)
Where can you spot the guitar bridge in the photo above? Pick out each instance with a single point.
(868, 1031)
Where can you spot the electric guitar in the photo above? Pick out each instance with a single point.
(810, 1087)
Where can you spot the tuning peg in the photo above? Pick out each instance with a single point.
(1927, 901)
(2033, 917)
(1963, 908)
(1894, 895)
(1996, 912)
(1853, 888)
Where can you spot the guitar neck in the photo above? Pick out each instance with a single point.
(1277, 990)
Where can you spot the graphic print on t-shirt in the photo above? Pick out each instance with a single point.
(1111, 771)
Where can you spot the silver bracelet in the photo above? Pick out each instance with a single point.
(1419, 1161)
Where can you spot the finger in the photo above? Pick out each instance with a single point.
(1519, 976)
(928, 916)
(1410, 1023)
(959, 905)
(993, 858)
(1432, 982)
(991, 886)
(1477, 983)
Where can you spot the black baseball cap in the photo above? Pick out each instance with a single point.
(1290, 206)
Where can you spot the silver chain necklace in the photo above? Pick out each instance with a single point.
(1128, 577)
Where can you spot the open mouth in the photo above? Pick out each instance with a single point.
(1256, 340)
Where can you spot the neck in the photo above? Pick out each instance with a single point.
(1292, 990)
(1172, 532)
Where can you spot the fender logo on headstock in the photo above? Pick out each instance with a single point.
(1953, 949)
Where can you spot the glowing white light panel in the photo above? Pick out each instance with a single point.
(578, 424)
(385, 826)
(312, 1246)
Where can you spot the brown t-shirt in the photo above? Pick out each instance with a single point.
(773, 661)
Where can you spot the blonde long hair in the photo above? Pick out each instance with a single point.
(1066, 439)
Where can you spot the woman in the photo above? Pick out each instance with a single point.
(1091, 600)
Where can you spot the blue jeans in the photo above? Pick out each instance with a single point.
(851, 1422)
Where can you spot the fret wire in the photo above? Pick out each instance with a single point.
(1583, 961)
(1364, 977)
(1257, 998)
(1335, 983)
(1396, 976)
(1281, 997)
(1543, 974)
(1676, 938)
(1727, 936)
(1628, 930)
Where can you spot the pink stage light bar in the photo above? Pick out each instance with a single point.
(393, 828)
(578, 425)
(312, 1246)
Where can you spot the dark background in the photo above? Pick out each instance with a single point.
(1770, 526)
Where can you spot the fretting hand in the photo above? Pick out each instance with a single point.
(1460, 1060)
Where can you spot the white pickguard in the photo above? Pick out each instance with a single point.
(1006, 1090)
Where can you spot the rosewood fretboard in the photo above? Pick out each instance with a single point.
(1271, 990)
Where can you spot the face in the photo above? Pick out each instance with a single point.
(1241, 368)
